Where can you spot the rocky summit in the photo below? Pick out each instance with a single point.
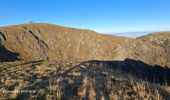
(48, 62)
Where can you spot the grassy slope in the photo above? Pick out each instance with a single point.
(160, 40)
(92, 80)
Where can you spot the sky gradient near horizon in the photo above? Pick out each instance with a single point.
(105, 16)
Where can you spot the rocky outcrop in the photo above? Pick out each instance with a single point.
(2, 38)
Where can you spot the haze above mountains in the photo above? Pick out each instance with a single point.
(132, 34)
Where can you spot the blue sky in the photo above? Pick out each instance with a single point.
(106, 16)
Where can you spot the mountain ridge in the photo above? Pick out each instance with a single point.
(39, 41)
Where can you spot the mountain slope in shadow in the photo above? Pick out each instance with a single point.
(8, 56)
(140, 70)
(154, 74)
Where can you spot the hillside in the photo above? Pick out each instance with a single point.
(46, 41)
(161, 40)
(44, 61)
(42, 41)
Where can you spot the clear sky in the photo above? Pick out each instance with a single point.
(108, 16)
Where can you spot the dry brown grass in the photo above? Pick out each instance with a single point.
(90, 80)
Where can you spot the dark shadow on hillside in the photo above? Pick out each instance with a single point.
(7, 56)
(137, 69)
(153, 74)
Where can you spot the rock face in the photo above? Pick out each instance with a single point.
(51, 42)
